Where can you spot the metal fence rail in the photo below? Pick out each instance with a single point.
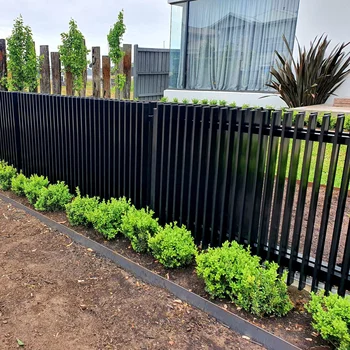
(227, 174)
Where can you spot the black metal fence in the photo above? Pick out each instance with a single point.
(227, 174)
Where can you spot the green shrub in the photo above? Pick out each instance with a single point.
(173, 246)
(222, 103)
(185, 101)
(33, 186)
(331, 318)
(231, 271)
(139, 226)
(245, 106)
(175, 100)
(233, 104)
(204, 101)
(164, 99)
(79, 209)
(347, 122)
(213, 102)
(53, 198)
(195, 101)
(7, 173)
(18, 183)
(107, 217)
(270, 107)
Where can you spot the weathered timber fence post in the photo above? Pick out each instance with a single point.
(45, 86)
(127, 70)
(106, 76)
(56, 73)
(96, 71)
(3, 65)
(69, 84)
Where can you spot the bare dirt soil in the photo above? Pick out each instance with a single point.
(55, 294)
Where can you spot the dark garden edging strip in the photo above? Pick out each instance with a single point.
(233, 321)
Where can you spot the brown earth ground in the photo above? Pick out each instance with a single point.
(55, 294)
(295, 327)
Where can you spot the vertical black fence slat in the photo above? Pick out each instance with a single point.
(314, 200)
(156, 152)
(257, 180)
(193, 169)
(177, 171)
(209, 159)
(251, 116)
(279, 185)
(327, 203)
(17, 132)
(165, 124)
(202, 155)
(227, 168)
(343, 194)
(218, 149)
(268, 184)
(170, 158)
(299, 216)
(345, 265)
(235, 165)
(292, 180)
(185, 166)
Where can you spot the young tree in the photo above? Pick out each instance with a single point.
(73, 53)
(23, 64)
(116, 54)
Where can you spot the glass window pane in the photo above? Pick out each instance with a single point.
(177, 44)
(232, 43)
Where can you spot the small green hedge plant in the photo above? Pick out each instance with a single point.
(53, 198)
(139, 226)
(222, 103)
(213, 102)
(107, 217)
(173, 246)
(33, 187)
(195, 101)
(232, 272)
(204, 101)
(331, 318)
(7, 173)
(18, 184)
(80, 208)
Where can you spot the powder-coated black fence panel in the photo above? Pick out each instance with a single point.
(227, 174)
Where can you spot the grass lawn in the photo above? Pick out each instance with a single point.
(326, 164)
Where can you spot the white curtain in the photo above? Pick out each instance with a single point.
(232, 43)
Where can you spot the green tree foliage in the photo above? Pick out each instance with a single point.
(23, 64)
(73, 53)
(115, 37)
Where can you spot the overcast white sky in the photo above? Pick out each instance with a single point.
(147, 21)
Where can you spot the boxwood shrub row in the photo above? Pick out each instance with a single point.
(228, 272)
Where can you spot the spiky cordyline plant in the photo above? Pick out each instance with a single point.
(313, 76)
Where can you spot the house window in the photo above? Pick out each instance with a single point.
(228, 44)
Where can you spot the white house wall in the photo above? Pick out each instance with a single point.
(315, 18)
(324, 16)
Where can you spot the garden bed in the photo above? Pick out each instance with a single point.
(55, 294)
(295, 328)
